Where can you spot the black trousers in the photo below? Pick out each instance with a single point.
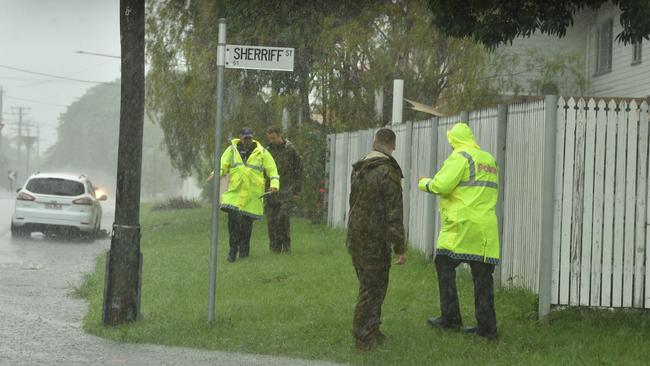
(277, 215)
(240, 229)
(373, 284)
(483, 293)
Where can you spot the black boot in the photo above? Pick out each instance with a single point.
(232, 255)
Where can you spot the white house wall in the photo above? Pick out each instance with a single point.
(574, 42)
(625, 79)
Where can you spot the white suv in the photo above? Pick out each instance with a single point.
(57, 204)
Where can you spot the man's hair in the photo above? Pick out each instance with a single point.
(274, 129)
(385, 137)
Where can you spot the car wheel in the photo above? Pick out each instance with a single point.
(18, 232)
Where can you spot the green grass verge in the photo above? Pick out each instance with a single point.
(301, 306)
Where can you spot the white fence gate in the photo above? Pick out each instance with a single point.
(600, 235)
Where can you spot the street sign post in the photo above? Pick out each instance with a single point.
(234, 57)
(259, 58)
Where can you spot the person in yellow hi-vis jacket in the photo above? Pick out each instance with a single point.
(247, 162)
(467, 185)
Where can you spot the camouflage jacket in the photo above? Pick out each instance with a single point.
(289, 166)
(375, 224)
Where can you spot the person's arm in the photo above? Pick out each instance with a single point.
(271, 170)
(226, 158)
(447, 178)
(392, 192)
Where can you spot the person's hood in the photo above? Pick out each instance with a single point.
(461, 136)
(236, 141)
(373, 160)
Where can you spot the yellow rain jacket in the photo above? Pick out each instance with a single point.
(247, 180)
(467, 184)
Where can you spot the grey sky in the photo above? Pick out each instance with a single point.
(43, 36)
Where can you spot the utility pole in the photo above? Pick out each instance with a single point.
(38, 141)
(21, 113)
(122, 284)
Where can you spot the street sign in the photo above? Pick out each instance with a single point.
(259, 58)
(12, 175)
(234, 57)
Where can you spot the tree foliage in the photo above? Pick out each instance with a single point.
(87, 142)
(495, 22)
(347, 54)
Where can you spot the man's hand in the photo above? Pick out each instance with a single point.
(272, 189)
(401, 259)
(419, 179)
(210, 178)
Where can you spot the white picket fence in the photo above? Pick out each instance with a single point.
(581, 241)
(600, 236)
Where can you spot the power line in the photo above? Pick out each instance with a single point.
(37, 101)
(51, 75)
(98, 54)
(43, 81)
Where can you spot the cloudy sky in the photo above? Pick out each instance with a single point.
(43, 36)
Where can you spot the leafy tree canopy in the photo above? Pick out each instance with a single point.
(495, 22)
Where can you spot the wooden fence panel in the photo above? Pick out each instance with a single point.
(599, 198)
(588, 207)
(631, 122)
(559, 183)
(642, 187)
(610, 190)
(567, 201)
(619, 207)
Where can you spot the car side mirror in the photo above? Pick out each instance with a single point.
(103, 197)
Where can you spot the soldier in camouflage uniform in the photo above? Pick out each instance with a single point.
(375, 228)
(278, 206)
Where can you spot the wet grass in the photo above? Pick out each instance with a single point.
(301, 306)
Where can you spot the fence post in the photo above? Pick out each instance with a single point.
(431, 211)
(464, 117)
(344, 191)
(548, 205)
(330, 170)
(406, 170)
(502, 133)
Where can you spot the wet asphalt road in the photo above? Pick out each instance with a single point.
(40, 324)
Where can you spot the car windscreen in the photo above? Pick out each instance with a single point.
(55, 187)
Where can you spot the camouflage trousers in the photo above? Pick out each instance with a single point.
(277, 215)
(483, 293)
(373, 284)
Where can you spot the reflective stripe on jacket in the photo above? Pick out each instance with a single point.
(247, 179)
(468, 186)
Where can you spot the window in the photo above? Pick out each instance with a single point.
(55, 187)
(604, 40)
(637, 53)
